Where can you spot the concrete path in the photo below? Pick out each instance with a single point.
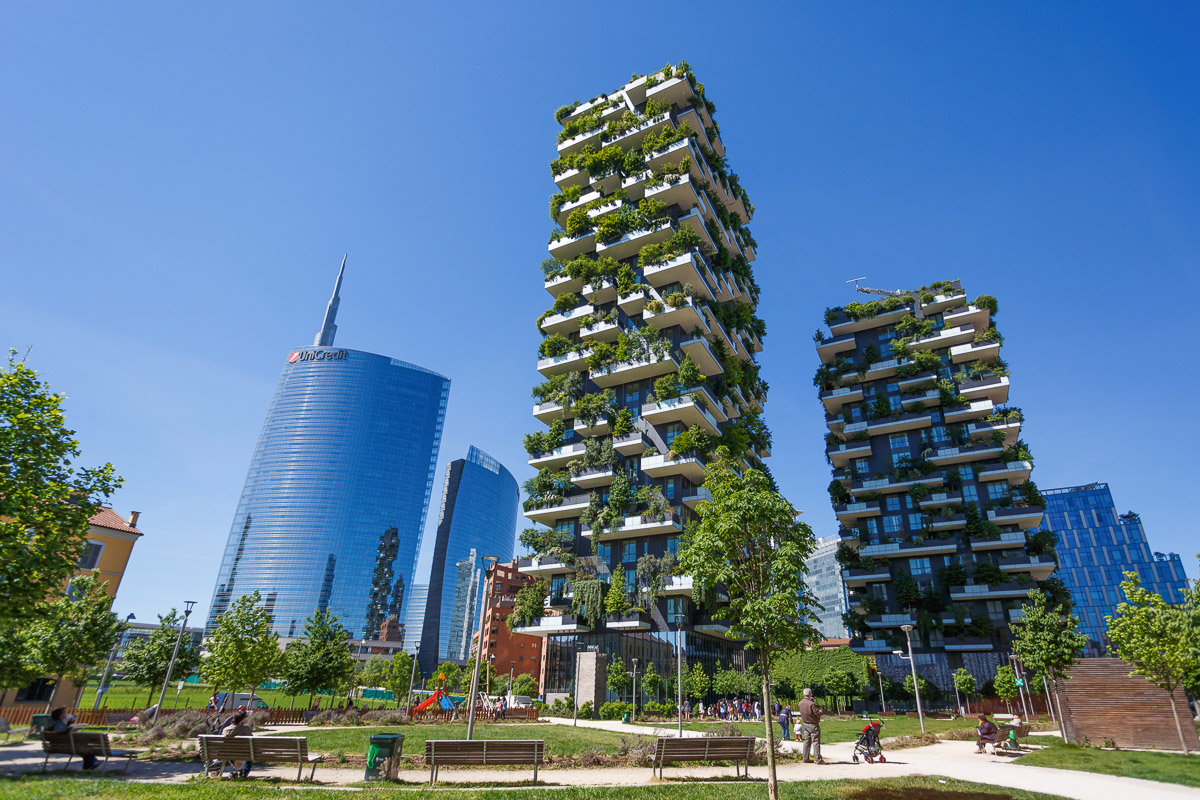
(949, 759)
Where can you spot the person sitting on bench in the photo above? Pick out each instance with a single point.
(987, 731)
(61, 723)
(237, 727)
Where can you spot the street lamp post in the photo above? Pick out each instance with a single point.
(187, 612)
(487, 576)
(104, 675)
(912, 662)
(633, 716)
(1021, 686)
(679, 667)
(512, 666)
(411, 680)
(882, 699)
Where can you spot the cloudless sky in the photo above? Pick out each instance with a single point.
(178, 184)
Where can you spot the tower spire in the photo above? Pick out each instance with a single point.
(328, 328)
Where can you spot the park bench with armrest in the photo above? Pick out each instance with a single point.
(82, 743)
(1020, 732)
(119, 720)
(257, 749)
(707, 748)
(482, 752)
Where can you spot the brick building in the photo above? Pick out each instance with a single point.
(516, 652)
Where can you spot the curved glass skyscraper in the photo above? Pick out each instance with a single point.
(478, 518)
(331, 514)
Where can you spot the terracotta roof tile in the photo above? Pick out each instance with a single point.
(107, 518)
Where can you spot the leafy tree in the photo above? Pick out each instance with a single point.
(1191, 606)
(243, 651)
(749, 541)
(841, 684)
(696, 682)
(1005, 683)
(728, 682)
(528, 605)
(1156, 639)
(929, 691)
(397, 674)
(618, 680)
(321, 661)
(526, 685)
(1048, 641)
(74, 633)
(370, 672)
(45, 500)
(908, 594)
(652, 682)
(498, 685)
(147, 659)
(965, 683)
(453, 674)
(16, 664)
(614, 599)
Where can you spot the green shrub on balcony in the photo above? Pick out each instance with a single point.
(987, 302)
(581, 124)
(622, 422)
(694, 441)
(594, 405)
(556, 345)
(952, 575)
(838, 493)
(529, 604)
(578, 223)
(988, 335)
(987, 573)
(565, 111)
(683, 240)
(544, 442)
(1019, 451)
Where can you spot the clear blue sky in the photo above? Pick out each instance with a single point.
(178, 184)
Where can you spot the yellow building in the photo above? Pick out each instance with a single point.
(110, 543)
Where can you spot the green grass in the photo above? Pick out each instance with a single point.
(123, 694)
(1165, 767)
(922, 788)
(841, 730)
(560, 740)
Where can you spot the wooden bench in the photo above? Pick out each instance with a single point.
(82, 743)
(482, 752)
(707, 748)
(1021, 732)
(5, 728)
(119, 720)
(257, 749)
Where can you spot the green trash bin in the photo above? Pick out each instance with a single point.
(625, 718)
(383, 756)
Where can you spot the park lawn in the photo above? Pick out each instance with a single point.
(560, 739)
(122, 694)
(918, 788)
(842, 730)
(1165, 767)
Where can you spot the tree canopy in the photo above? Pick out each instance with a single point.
(243, 651)
(147, 659)
(75, 633)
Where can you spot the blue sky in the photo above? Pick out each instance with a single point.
(178, 184)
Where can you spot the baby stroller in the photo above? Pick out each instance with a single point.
(868, 744)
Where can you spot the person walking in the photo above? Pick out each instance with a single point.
(785, 721)
(810, 719)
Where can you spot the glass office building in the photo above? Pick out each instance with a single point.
(332, 510)
(825, 582)
(1096, 545)
(478, 518)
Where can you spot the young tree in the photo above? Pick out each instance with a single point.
(618, 680)
(1005, 683)
(1048, 641)
(45, 500)
(749, 541)
(243, 651)
(147, 659)
(696, 682)
(842, 684)
(320, 661)
(1156, 639)
(525, 685)
(453, 674)
(727, 682)
(370, 673)
(929, 690)
(74, 633)
(965, 683)
(16, 664)
(652, 682)
(397, 675)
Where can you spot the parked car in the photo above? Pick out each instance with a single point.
(228, 702)
(520, 701)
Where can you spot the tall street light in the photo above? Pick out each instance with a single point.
(882, 699)
(679, 668)
(412, 679)
(487, 577)
(912, 662)
(634, 697)
(111, 655)
(187, 612)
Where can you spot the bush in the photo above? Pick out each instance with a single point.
(638, 749)
(613, 711)
(382, 717)
(585, 710)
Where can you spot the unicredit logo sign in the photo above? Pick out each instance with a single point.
(316, 355)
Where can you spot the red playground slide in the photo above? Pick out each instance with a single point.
(433, 698)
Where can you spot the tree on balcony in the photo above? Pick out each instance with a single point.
(749, 541)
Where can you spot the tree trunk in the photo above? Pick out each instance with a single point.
(1178, 727)
(150, 697)
(772, 780)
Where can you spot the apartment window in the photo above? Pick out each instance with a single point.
(916, 522)
(673, 545)
(998, 490)
(557, 586)
(919, 566)
(669, 489)
(891, 524)
(630, 582)
(604, 552)
(995, 610)
(862, 466)
(940, 436)
(91, 556)
(631, 402)
(673, 430)
(898, 441)
(936, 638)
(885, 349)
(893, 388)
(873, 527)
(676, 609)
(893, 503)
(970, 495)
(629, 552)
(900, 458)
(856, 413)
(895, 403)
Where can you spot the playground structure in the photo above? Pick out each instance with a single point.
(448, 703)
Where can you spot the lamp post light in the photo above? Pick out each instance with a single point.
(912, 662)
(187, 612)
(882, 699)
(487, 576)
(111, 655)
(512, 666)
(412, 679)
(633, 716)
(679, 667)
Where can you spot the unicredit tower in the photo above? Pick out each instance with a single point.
(331, 514)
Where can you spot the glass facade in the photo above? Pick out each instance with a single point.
(825, 582)
(478, 518)
(1095, 546)
(334, 502)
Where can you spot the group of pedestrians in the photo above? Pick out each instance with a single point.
(740, 710)
(806, 723)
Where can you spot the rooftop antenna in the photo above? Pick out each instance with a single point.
(884, 293)
(328, 328)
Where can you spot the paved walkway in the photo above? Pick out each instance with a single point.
(949, 759)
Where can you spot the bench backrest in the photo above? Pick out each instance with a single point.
(75, 743)
(484, 751)
(254, 748)
(4, 726)
(707, 748)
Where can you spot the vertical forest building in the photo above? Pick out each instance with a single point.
(648, 365)
(931, 481)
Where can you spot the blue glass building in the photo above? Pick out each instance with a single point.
(824, 580)
(1095, 546)
(332, 510)
(478, 518)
